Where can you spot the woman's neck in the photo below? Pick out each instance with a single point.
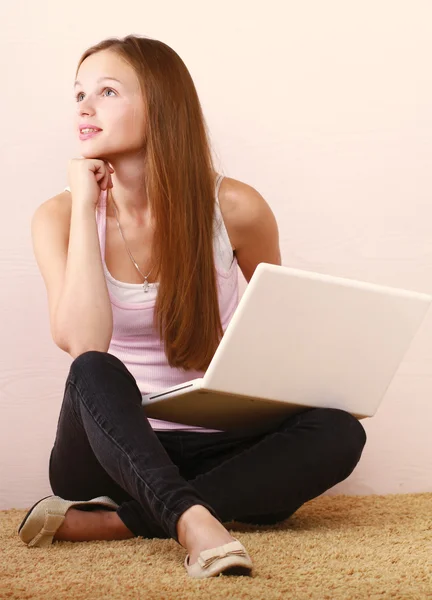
(129, 212)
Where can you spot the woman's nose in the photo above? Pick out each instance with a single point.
(85, 107)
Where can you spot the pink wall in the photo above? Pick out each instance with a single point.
(325, 108)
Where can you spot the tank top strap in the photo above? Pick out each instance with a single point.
(218, 183)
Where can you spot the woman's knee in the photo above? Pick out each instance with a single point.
(100, 375)
(337, 428)
(93, 360)
(96, 366)
(88, 369)
(345, 430)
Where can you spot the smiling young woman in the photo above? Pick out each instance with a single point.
(140, 256)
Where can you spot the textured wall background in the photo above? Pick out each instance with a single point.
(323, 107)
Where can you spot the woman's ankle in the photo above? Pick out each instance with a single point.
(198, 529)
(188, 519)
(83, 526)
(116, 526)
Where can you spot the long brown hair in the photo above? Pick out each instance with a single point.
(180, 188)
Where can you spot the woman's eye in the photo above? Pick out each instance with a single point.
(79, 94)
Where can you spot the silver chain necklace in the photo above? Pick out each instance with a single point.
(146, 283)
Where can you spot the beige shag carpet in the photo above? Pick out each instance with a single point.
(347, 547)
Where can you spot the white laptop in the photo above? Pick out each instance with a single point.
(298, 340)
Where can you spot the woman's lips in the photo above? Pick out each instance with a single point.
(86, 136)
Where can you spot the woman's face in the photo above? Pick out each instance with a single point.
(116, 107)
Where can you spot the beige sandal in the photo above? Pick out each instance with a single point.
(229, 559)
(45, 517)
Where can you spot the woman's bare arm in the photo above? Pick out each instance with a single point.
(66, 248)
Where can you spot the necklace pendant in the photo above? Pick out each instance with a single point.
(146, 286)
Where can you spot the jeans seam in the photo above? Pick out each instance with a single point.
(124, 452)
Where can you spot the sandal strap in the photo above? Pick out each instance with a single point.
(50, 526)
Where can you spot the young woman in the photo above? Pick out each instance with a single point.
(140, 258)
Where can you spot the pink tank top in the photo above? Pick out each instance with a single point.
(136, 342)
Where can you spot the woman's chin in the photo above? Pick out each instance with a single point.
(90, 154)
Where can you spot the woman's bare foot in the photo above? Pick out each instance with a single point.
(198, 530)
(84, 526)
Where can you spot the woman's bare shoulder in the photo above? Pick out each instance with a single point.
(237, 196)
(60, 203)
(57, 208)
(240, 204)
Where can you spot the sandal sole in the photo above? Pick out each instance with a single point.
(238, 570)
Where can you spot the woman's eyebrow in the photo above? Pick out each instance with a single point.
(99, 80)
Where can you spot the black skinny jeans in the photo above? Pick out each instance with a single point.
(105, 446)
